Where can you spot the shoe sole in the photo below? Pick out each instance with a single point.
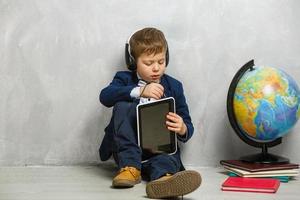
(125, 183)
(179, 184)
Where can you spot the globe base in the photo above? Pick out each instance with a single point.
(265, 158)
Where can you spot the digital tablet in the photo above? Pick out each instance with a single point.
(153, 136)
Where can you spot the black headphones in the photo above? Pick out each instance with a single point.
(130, 61)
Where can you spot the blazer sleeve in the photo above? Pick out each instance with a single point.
(118, 90)
(183, 110)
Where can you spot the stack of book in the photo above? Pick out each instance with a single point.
(247, 169)
(257, 174)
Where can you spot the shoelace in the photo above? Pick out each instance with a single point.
(132, 170)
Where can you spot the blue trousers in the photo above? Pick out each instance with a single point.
(126, 151)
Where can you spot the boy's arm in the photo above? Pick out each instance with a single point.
(118, 90)
(183, 110)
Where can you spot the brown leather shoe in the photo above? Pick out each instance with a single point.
(179, 184)
(127, 177)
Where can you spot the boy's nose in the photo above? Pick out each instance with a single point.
(155, 67)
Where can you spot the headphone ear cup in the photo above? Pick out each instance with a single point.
(167, 57)
(130, 62)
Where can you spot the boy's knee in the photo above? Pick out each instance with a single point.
(124, 108)
(122, 105)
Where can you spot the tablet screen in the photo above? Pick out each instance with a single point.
(154, 137)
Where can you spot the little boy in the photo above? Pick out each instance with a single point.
(147, 57)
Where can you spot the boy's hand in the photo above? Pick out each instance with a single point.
(152, 90)
(175, 123)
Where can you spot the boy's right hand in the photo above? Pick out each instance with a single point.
(152, 90)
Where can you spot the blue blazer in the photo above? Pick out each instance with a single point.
(119, 90)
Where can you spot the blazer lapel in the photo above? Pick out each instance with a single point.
(164, 82)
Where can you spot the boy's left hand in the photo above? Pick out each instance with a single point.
(175, 123)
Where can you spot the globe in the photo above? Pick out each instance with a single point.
(266, 103)
(263, 105)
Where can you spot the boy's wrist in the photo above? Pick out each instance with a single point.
(184, 135)
(142, 90)
(183, 130)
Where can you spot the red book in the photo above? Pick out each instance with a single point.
(239, 184)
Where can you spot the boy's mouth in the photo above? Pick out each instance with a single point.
(154, 77)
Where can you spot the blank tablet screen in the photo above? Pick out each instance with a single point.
(154, 137)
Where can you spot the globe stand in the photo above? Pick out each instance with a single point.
(264, 157)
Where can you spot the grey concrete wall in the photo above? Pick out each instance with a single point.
(56, 55)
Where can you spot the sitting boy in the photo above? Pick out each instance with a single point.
(147, 57)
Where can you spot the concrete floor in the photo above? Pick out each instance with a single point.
(93, 183)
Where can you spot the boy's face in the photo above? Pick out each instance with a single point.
(151, 67)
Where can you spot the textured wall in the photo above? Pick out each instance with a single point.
(56, 55)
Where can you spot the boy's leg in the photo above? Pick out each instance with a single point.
(161, 165)
(167, 179)
(126, 149)
(127, 153)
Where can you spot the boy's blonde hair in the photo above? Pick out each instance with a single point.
(149, 41)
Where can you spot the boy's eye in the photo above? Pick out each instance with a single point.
(161, 62)
(148, 63)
